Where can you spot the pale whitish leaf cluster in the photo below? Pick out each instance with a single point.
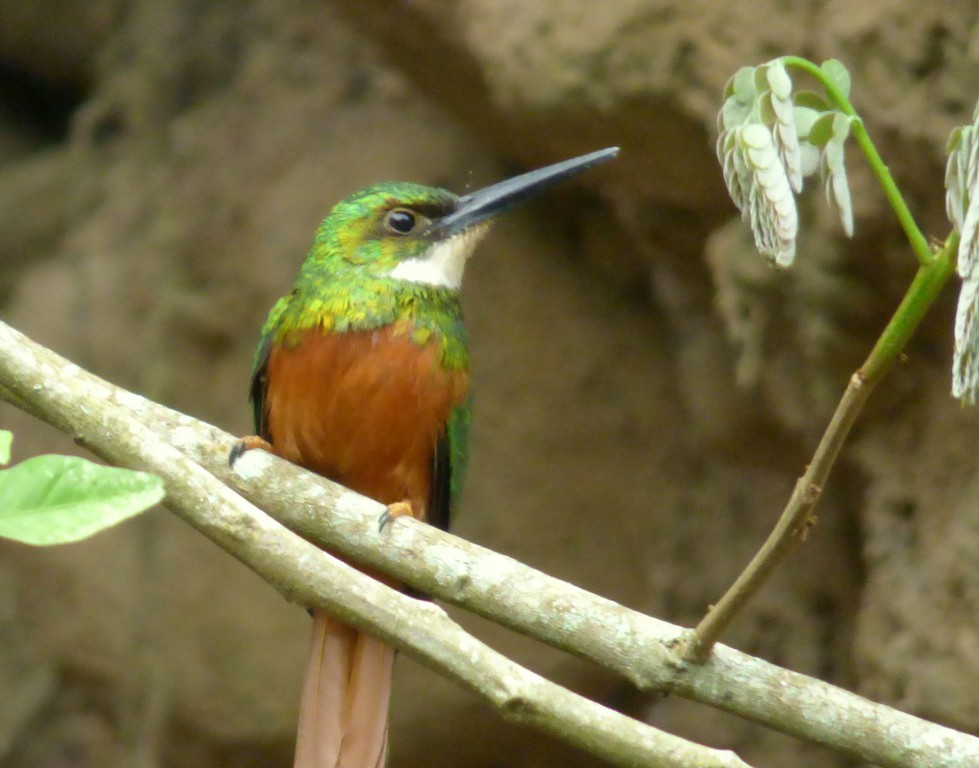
(769, 140)
(962, 204)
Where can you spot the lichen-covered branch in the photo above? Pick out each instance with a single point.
(97, 416)
(642, 649)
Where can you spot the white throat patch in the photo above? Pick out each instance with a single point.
(443, 263)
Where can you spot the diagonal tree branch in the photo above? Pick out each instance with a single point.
(95, 414)
(641, 648)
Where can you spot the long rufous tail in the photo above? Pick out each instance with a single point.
(343, 714)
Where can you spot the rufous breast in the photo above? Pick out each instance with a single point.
(363, 408)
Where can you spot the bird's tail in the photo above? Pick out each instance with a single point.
(343, 714)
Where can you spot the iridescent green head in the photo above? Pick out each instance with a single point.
(423, 235)
(390, 231)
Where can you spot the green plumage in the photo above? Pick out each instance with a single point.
(362, 375)
(344, 282)
(344, 285)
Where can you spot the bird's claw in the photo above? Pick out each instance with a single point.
(247, 443)
(393, 512)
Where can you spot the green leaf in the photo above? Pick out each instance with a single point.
(734, 113)
(57, 499)
(766, 110)
(822, 129)
(804, 119)
(841, 127)
(838, 75)
(955, 139)
(6, 438)
(837, 186)
(957, 177)
(779, 80)
(811, 100)
(809, 159)
(835, 157)
(742, 85)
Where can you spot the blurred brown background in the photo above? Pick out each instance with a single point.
(647, 389)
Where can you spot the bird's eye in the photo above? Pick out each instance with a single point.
(400, 221)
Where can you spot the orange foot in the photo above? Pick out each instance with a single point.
(393, 512)
(247, 443)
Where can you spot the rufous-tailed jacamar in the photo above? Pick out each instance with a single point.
(362, 375)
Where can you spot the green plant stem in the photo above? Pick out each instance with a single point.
(919, 243)
(796, 519)
(927, 284)
(933, 272)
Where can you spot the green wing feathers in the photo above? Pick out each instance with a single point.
(449, 466)
(458, 436)
(260, 383)
(259, 388)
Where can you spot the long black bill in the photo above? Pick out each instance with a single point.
(488, 202)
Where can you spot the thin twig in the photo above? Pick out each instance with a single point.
(640, 648)
(792, 526)
(796, 518)
(935, 267)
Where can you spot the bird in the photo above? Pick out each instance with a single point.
(362, 376)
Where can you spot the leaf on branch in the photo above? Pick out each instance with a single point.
(6, 438)
(737, 175)
(821, 131)
(965, 364)
(962, 192)
(833, 169)
(742, 85)
(758, 149)
(969, 242)
(962, 205)
(955, 170)
(838, 74)
(770, 209)
(770, 139)
(58, 499)
(739, 100)
(784, 130)
(810, 100)
(805, 118)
